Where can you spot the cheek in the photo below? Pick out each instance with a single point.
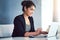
(30, 13)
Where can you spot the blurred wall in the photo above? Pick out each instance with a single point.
(56, 15)
(46, 13)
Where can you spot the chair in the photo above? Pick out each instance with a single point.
(6, 30)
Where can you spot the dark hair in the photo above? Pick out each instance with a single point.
(27, 4)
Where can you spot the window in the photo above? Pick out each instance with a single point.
(46, 13)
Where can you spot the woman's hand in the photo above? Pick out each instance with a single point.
(44, 32)
(38, 31)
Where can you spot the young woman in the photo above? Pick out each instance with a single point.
(24, 24)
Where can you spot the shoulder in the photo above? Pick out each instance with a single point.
(19, 17)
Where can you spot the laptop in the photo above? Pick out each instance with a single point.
(52, 31)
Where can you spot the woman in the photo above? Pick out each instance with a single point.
(24, 24)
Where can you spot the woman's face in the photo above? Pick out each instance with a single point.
(29, 11)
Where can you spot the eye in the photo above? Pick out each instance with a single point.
(32, 9)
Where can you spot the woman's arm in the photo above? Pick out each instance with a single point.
(18, 27)
(37, 32)
(27, 34)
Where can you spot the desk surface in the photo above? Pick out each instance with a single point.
(26, 38)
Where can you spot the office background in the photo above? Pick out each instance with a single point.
(43, 16)
(9, 9)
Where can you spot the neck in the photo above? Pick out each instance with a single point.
(25, 16)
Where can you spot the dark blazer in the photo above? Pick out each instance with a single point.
(19, 26)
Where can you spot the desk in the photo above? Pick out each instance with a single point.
(26, 38)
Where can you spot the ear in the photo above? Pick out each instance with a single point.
(25, 8)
